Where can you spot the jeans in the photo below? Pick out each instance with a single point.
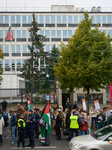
(13, 128)
(72, 132)
(100, 126)
(94, 119)
(82, 132)
(5, 132)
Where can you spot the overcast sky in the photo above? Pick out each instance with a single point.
(48, 3)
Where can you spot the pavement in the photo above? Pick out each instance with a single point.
(55, 144)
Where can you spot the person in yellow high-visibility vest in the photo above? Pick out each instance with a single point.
(74, 125)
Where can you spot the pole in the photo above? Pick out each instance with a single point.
(47, 86)
(11, 73)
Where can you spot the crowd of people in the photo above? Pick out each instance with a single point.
(70, 120)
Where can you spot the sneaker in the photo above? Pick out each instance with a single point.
(12, 143)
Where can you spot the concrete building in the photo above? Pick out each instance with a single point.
(57, 25)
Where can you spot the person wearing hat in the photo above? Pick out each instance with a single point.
(36, 113)
(109, 120)
(100, 119)
(31, 125)
(74, 124)
(21, 130)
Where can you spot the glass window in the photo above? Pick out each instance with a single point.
(29, 19)
(36, 18)
(1, 19)
(13, 63)
(75, 19)
(24, 49)
(69, 33)
(23, 33)
(24, 19)
(23, 62)
(1, 33)
(58, 46)
(28, 34)
(110, 32)
(93, 19)
(81, 18)
(69, 19)
(52, 19)
(58, 33)
(97, 19)
(18, 34)
(6, 63)
(18, 63)
(1, 47)
(47, 47)
(41, 62)
(6, 19)
(63, 19)
(47, 19)
(6, 48)
(17, 19)
(18, 48)
(64, 33)
(12, 19)
(53, 34)
(58, 19)
(41, 19)
(13, 31)
(13, 48)
(42, 32)
(109, 19)
(103, 19)
(47, 33)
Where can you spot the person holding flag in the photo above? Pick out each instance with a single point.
(45, 121)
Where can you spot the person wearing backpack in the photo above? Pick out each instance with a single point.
(109, 120)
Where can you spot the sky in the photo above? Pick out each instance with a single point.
(48, 3)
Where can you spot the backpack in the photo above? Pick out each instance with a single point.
(81, 121)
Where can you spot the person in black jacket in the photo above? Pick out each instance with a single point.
(37, 117)
(68, 105)
(5, 116)
(67, 122)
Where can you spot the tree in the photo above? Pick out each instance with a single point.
(1, 69)
(30, 69)
(86, 61)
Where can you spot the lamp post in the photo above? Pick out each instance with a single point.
(47, 76)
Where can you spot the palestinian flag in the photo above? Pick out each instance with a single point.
(29, 103)
(46, 116)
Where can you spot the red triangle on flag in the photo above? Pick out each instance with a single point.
(47, 108)
(28, 99)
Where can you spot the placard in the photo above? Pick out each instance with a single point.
(96, 103)
(47, 97)
(107, 112)
(84, 104)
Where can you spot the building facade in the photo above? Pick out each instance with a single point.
(57, 25)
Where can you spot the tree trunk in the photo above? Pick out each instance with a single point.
(88, 100)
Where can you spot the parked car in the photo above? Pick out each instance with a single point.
(99, 140)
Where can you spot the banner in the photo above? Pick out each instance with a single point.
(111, 94)
(96, 103)
(84, 104)
(107, 112)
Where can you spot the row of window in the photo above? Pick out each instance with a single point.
(24, 48)
(53, 19)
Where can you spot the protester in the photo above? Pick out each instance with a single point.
(100, 119)
(93, 115)
(37, 117)
(82, 124)
(67, 122)
(68, 105)
(19, 109)
(1, 126)
(4, 105)
(5, 116)
(75, 105)
(109, 120)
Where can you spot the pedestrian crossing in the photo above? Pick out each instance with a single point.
(40, 147)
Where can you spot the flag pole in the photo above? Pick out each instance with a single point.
(11, 71)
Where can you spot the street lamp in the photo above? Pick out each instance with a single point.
(47, 76)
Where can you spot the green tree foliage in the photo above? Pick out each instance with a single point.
(30, 69)
(86, 61)
(1, 69)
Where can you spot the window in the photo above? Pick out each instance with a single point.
(13, 48)
(97, 19)
(1, 19)
(47, 33)
(6, 48)
(23, 33)
(63, 19)
(23, 62)
(58, 19)
(81, 18)
(18, 34)
(29, 19)
(18, 63)
(75, 19)
(53, 34)
(36, 18)
(42, 32)
(69, 33)
(41, 19)
(103, 19)
(6, 31)
(24, 19)
(69, 19)
(52, 19)
(41, 62)
(64, 33)
(93, 19)
(47, 19)
(12, 19)
(109, 19)
(47, 47)
(1, 47)
(1, 33)
(28, 34)
(58, 33)
(13, 31)
(18, 48)
(13, 63)
(6, 19)
(17, 19)
(24, 49)
(110, 32)
(6, 63)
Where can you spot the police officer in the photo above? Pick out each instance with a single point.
(21, 131)
(31, 125)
